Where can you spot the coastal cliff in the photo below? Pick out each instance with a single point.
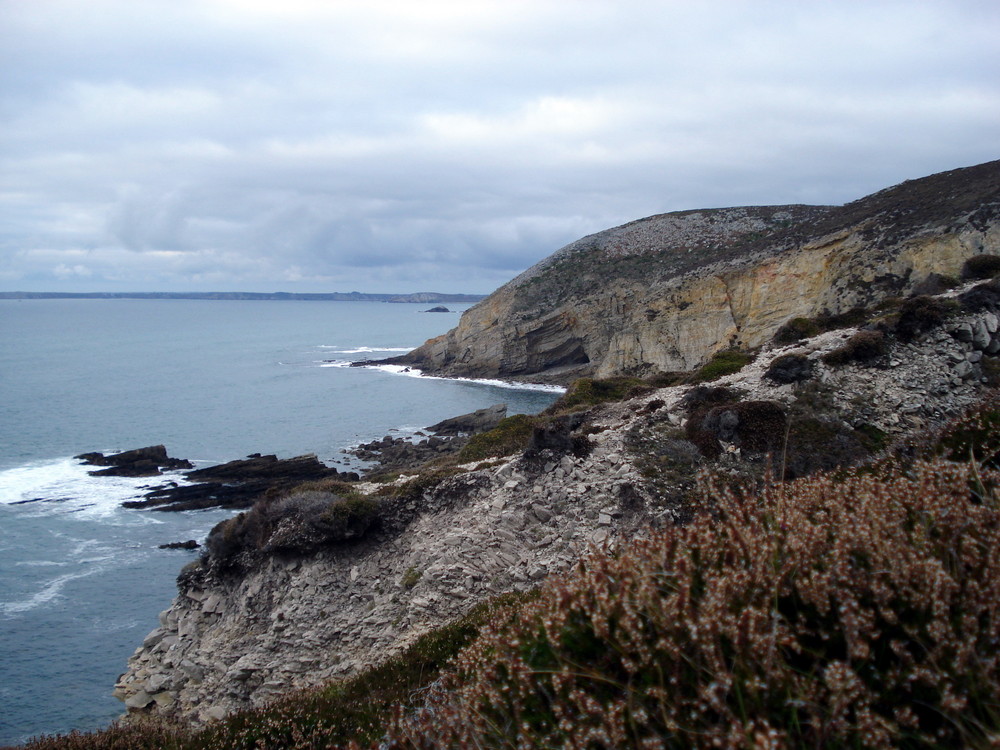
(666, 292)
(326, 580)
(277, 603)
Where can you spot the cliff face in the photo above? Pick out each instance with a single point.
(666, 292)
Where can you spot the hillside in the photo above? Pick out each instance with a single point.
(666, 292)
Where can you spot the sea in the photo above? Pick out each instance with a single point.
(82, 579)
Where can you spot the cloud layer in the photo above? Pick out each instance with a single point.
(384, 146)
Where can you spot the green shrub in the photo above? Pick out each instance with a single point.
(722, 363)
(795, 330)
(511, 435)
(864, 347)
(790, 368)
(920, 314)
(298, 523)
(981, 267)
(411, 577)
(853, 612)
(413, 489)
(751, 426)
(587, 392)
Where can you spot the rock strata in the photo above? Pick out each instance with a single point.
(666, 292)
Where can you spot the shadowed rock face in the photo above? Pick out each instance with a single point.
(666, 292)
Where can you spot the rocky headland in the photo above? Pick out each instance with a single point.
(753, 343)
(668, 291)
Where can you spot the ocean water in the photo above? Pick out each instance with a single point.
(82, 579)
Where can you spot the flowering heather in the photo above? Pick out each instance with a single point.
(863, 611)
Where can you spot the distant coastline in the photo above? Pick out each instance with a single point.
(420, 297)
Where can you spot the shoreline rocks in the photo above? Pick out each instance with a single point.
(140, 462)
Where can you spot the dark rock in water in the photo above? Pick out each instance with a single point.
(141, 462)
(240, 483)
(438, 309)
(189, 544)
(300, 468)
(481, 420)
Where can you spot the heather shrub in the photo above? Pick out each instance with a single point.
(789, 368)
(985, 296)
(935, 283)
(795, 330)
(920, 314)
(300, 522)
(864, 347)
(751, 426)
(981, 267)
(860, 612)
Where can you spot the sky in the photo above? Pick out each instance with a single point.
(447, 145)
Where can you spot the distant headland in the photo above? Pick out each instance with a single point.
(419, 297)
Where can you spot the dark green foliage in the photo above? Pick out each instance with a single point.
(298, 523)
(817, 443)
(665, 379)
(795, 330)
(511, 435)
(856, 316)
(416, 487)
(703, 397)
(358, 709)
(721, 364)
(751, 426)
(935, 283)
(985, 296)
(981, 267)
(790, 368)
(864, 347)
(587, 392)
(920, 314)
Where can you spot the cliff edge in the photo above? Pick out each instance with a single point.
(666, 292)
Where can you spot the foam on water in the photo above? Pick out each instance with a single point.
(368, 349)
(64, 486)
(413, 372)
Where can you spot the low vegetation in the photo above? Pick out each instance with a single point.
(859, 612)
(512, 435)
(300, 522)
(981, 267)
(864, 347)
(588, 392)
(722, 363)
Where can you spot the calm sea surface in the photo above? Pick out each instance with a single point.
(81, 579)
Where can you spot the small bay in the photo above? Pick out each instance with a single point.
(82, 579)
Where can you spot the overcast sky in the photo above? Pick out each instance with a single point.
(429, 145)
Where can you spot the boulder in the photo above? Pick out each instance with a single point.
(140, 462)
(238, 484)
(481, 420)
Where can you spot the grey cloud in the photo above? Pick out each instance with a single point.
(312, 146)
